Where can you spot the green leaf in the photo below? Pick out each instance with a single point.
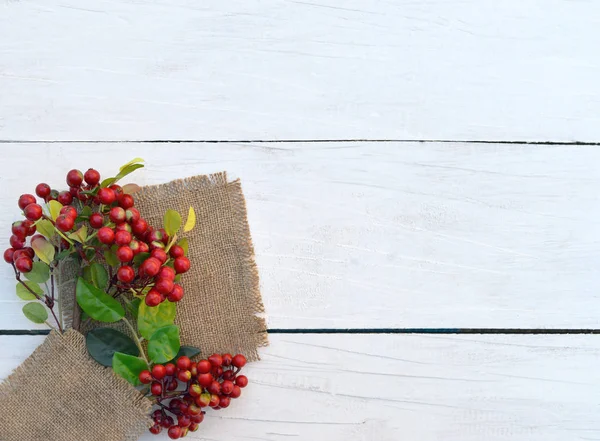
(98, 275)
(139, 258)
(54, 207)
(128, 367)
(133, 307)
(188, 351)
(39, 273)
(131, 188)
(43, 249)
(172, 222)
(152, 318)
(108, 181)
(190, 222)
(97, 304)
(102, 343)
(133, 161)
(183, 243)
(35, 312)
(111, 258)
(127, 170)
(79, 235)
(24, 294)
(63, 254)
(45, 228)
(164, 344)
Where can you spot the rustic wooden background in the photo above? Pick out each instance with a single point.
(419, 176)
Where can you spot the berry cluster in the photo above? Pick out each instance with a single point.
(207, 383)
(120, 231)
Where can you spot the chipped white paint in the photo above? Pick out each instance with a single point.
(393, 387)
(281, 69)
(383, 235)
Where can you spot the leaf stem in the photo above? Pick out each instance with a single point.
(137, 340)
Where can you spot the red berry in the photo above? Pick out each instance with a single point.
(215, 360)
(214, 387)
(194, 409)
(92, 177)
(52, 196)
(195, 390)
(117, 215)
(125, 274)
(236, 392)
(64, 197)
(134, 245)
(19, 229)
(8, 255)
(156, 388)
(122, 237)
(217, 371)
(174, 432)
(96, 220)
(65, 223)
(184, 420)
(144, 247)
(69, 210)
(156, 429)
(151, 266)
(170, 369)
(31, 229)
(166, 272)
(42, 190)
(228, 375)
(116, 188)
(205, 380)
(33, 212)
(132, 215)
(194, 369)
(25, 200)
(176, 294)
(159, 254)
(193, 427)
(74, 178)
(227, 387)
(184, 362)
(29, 251)
(163, 286)
(139, 227)
(241, 381)
(239, 361)
(106, 235)
(184, 376)
(156, 245)
(204, 366)
(172, 385)
(16, 242)
(224, 402)
(153, 298)
(125, 201)
(159, 371)
(145, 377)
(167, 422)
(181, 265)
(124, 254)
(176, 251)
(106, 196)
(214, 400)
(155, 236)
(227, 358)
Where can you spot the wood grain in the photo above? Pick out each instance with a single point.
(286, 69)
(427, 388)
(365, 235)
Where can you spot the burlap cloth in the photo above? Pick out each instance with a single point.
(60, 394)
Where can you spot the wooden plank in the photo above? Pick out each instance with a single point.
(390, 387)
(283, 69)
(383, 235)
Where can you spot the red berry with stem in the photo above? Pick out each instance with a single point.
(227, 358)
(122, 237)
(125, 274)
(106, 196)
(174, 432)
(92, 177)
(159, 371)
(184, 362)
(69, 210)
(170, 369)
(132, 215)
(181, 265)
(125, 201)
(241, 381)
(156, 388)
(184, 376)
(145, 377)
(236, 392)
(117, 215)
(176, 294)
(204, 366)
(42, 190)
(155, 429)
(96, 220)
(164, 286)
(25, 200)
(224, 402)
(64, 197)
(214, 387)
(16, 242)
(239, 361)
(139, 227)
(184, 420)
(151, 266)
(106, 235)
(8, 255)
(227, 387)
(124, 254)
(159, 253)
(33, 212)
(176, 251)
(215, 360)
(166, 272)
(74, 178)
(64, 223)
(153, 298)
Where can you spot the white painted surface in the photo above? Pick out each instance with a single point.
(383, 235)
(281, 69)
(392, 387)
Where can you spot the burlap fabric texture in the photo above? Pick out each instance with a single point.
(59, 393)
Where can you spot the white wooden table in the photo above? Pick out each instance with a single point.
(371, 230)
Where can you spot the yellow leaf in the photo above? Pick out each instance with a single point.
(131, 188)
(190, 221)
(54, 207)
(133, 161)
(43, 249)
